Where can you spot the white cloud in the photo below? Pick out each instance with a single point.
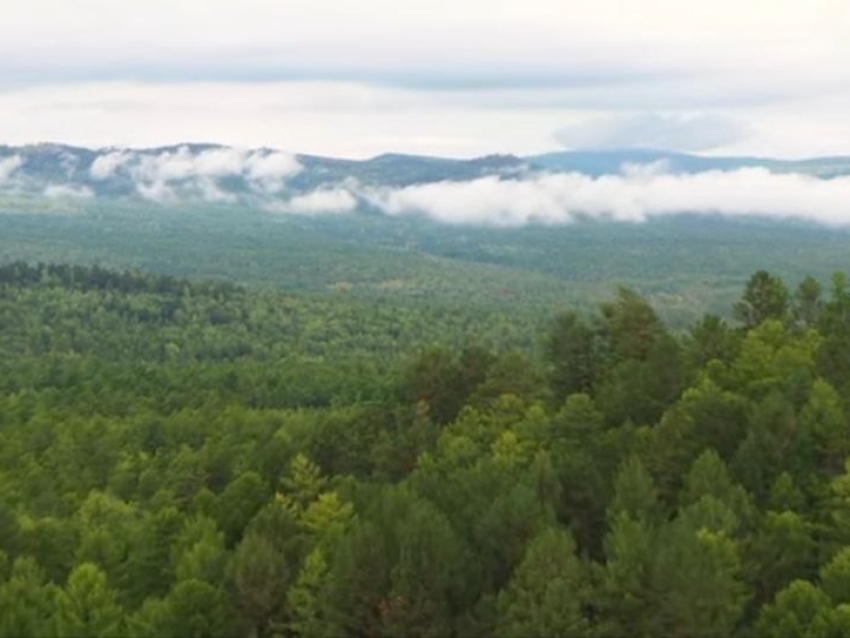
(158, 192)
(271, 165)
(268, 171)
(424, 76)
(161, 176)
(182, 164)
(350, 120)
(104, 166)
(426, 40)
(338, 200)
(69, 163)
(65, 191)
(173, 166)
(633, 196)
(9, 165)
(210, 191)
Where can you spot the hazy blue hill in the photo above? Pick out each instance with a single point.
(46, 165)
(604, 162)
(400, 170)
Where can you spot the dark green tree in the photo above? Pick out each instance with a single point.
(765, 297)
(548, 591)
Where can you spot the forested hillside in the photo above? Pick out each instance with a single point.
(191, 458)
(685, 265)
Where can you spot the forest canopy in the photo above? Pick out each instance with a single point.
(189, 458)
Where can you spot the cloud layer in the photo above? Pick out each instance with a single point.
(279, 183)
(158, 175)
(322, 201)
(8, 165)
(340, 78)
(635, 195)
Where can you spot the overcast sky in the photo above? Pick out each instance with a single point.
(462, 78)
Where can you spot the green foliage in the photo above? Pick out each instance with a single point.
(547, 592)
(624, 596)
(261, 577)
(801, 609)
(835, 577)
(696, 582)
(27, 601)
(765, 297)
(87, 605)
(307, 608)
(634, 493)
(202, 459)
(570, 351)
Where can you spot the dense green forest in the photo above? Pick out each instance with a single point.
(196, 458)
(684, 265)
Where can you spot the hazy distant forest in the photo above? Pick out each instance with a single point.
(198, 458)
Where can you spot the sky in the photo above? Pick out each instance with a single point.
(460, 78)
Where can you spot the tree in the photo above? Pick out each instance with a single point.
(709, 477)
(154, 618)
(801, 609)
(513, 374)
(204, 560)
(547, 592)
(835, 577)
(835, 326)
(639, 388)
(784, 549)
(765, 297)
(624, 597)
(503, 531)
(327, 514)
(261, 576)
(785, 495)
(199, 610)
(837, 515)
(27, 602)
(304, 482)
(88, 606)
(634, 493)
(630, 326)
(148, 570)
(359, 581)
(426, 583)
(710, 339)
(696, 582)
(823, 422)
(237, 504)
(767, 448)
(305, 600)
(570, 352)
(436, 381)
(807, 303)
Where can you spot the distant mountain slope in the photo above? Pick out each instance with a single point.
(684, 264)
(261, 177)
(117, 172)
(606, 162)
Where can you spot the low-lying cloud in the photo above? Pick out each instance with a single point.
(157, 174)
(324, 201)
(637, 194)
(9, 165)
(64, 191)
(264, 179)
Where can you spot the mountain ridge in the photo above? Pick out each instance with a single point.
(284, 182)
